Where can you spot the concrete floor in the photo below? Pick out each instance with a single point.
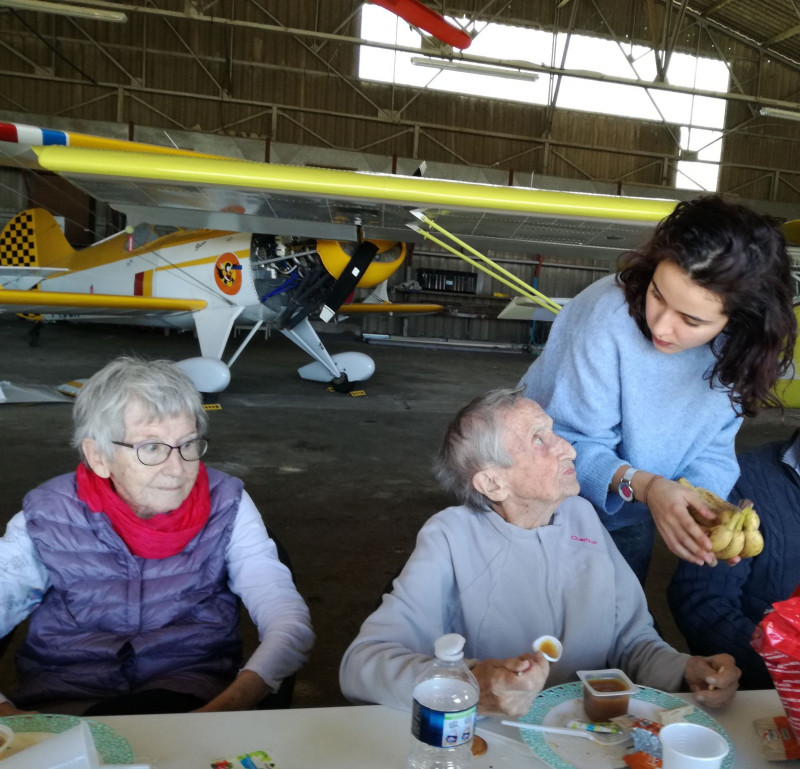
(345, 482)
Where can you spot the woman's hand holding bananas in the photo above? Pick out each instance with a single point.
(734, 531)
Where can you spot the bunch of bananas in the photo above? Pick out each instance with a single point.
(734, 532)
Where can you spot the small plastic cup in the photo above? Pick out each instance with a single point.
(692, 746)
(6, 739)
(550, 647)
(606, 693)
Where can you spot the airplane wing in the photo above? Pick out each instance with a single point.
(65, 303)
(239, 195)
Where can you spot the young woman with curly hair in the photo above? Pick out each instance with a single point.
(649, 372)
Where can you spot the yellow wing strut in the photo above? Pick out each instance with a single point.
(494, 270)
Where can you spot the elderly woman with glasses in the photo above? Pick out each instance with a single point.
(131, 568)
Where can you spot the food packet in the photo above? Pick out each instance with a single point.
(256, 760)
(777, 639)
(777, 739)
(642, 760)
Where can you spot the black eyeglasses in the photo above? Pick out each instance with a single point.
(157, 453)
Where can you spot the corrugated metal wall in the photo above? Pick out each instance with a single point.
(474, 316)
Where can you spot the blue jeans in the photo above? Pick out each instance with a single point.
(635, 542)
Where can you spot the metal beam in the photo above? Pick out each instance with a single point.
(102, 50)
(284, 109)
(791, 32)
(714, 8)
(550, 70)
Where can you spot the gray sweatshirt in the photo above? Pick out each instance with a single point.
(501, 586)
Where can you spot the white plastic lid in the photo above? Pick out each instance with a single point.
(449, 647)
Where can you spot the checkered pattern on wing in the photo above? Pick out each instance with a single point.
(17, 242)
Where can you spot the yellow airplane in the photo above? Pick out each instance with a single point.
(206, 280)
(210, 279)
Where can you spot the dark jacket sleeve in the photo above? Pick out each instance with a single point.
(718, 608)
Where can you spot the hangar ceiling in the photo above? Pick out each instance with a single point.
(286, 71)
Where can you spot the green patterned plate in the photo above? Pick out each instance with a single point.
(559, 704)
(112, 747)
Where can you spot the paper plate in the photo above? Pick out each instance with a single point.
(112, 747)
(559, 704)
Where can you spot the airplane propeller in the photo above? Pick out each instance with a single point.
(346, 282)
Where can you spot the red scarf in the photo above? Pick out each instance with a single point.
(162, 535)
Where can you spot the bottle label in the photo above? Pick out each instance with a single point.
(442, 729)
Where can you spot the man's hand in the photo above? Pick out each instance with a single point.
(713, 680)
(244, 693)
(508, 687)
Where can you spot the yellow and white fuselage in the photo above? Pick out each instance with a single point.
(185, 279)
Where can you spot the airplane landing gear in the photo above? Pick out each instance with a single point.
(342, 384)
(352, 368)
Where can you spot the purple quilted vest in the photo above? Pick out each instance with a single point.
(113, 621)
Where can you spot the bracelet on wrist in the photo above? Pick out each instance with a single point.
(649, 485)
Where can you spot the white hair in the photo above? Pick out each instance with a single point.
(159, 387)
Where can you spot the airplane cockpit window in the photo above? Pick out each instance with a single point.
(161, 230)
(147, 233)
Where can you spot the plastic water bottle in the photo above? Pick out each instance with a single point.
(444, 709)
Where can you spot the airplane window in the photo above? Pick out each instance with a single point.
(164, 229)
(147, 233)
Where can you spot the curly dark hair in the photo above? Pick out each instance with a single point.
(741, 256)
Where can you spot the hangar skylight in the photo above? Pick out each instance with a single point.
(698, 119)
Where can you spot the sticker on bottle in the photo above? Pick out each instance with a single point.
(442, 729)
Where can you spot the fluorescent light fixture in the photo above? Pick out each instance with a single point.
(64, 9)
(475, 69)
(786, 114)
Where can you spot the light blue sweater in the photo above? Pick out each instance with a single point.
(618, 400)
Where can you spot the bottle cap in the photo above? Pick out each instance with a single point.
(449, 647)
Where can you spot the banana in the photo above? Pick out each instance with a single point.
(722, 510)
(753, 544)
(720, 537)
(724, 516)
(734, 548)
(734, 531)
(752, 521)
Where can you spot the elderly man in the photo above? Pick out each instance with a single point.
(520, 557)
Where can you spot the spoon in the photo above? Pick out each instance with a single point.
(598, 737)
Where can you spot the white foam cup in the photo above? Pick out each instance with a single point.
(72, 749)
(691, 746)
(550, 647)
(6, 738)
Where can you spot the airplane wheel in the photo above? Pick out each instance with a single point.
(342, 384)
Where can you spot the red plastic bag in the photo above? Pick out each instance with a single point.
(777, 640)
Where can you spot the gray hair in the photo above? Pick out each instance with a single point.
(473, 442)
(158, 386)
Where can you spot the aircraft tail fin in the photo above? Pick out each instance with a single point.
(33, 239)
